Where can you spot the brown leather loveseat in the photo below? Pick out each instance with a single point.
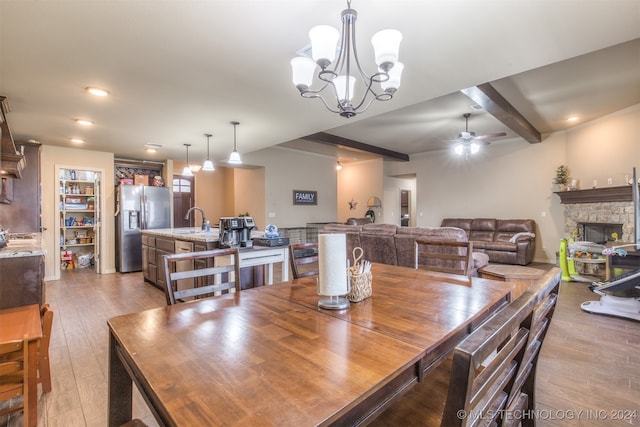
(506, 241)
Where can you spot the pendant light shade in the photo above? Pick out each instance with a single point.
(187, 170)
(234, 157)
(208, 164)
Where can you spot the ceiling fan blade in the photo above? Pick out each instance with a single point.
(491, 135)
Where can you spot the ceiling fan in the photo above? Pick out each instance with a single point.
(468, 143)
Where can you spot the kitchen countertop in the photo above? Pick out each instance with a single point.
(17, 248)
(193, 234)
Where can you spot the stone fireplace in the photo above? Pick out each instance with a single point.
(596, 213)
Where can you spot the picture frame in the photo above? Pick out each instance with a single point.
(305, 197)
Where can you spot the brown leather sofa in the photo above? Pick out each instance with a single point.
(390, 244)
(506, 241)
(359, 221)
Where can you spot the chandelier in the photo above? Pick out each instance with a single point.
(342, 73)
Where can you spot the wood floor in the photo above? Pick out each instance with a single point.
(589, 363)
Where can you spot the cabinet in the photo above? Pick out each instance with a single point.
(79, 218)
(164, 246)
(23, 281)
(20, 198)
(149, 267)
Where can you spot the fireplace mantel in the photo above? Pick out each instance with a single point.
(597, 195)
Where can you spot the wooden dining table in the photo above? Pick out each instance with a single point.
(270, 356)
(15, 323)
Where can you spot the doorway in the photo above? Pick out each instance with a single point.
(405, 207)
(183, 200)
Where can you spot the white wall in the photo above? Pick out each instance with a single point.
(605, 148)
(357, 181)
(60, 157)
(514, 179)
(505, 180)
(287, 170)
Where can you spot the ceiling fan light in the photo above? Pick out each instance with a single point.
(324, 41)
(395, 74)
(302, 69)
(474, 147)
(344, 93)
(386, 45)
(459, 149)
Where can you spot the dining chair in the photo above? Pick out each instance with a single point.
(490, 376)
(44, 367)
(194, 275)
(304, 259)
(13, 378)
(444, 256)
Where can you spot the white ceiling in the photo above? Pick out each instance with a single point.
(178, 69)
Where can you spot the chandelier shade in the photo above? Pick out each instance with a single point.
(341, 73)
(324, 40)
(186, 171)
(386, 45)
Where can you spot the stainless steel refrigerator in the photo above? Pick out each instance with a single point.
(138, 208)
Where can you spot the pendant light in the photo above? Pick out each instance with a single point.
(234, 158)
(338, 166)
(187, 170)
(208, 164)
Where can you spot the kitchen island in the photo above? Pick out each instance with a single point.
(22, 271)
(165, 241)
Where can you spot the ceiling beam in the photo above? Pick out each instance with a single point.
(489, 98)
(326, 138)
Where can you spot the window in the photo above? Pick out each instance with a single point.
(181, 185)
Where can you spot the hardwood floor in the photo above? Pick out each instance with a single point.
(589, 363)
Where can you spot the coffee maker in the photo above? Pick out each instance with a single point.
(230, 231)
(245, 235)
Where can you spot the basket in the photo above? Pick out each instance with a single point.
(360, 288)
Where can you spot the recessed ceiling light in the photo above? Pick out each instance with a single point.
(84, 122)
(573, 119)
(152, 147)
(97, 91)
(77, 140)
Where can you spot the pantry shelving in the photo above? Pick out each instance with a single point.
(79, 217)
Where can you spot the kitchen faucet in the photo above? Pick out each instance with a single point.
(205, 223)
